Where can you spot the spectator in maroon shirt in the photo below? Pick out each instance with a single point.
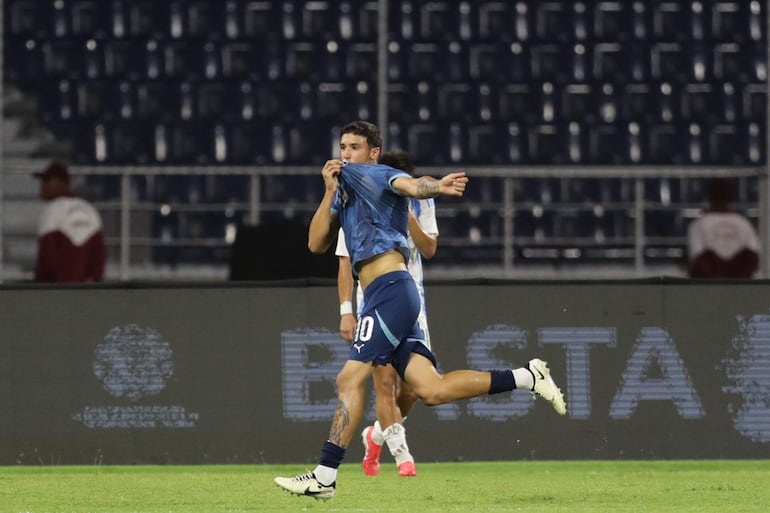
(71, 244)
(722, 243)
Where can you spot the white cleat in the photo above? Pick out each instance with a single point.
(306, 484)
(545, 386)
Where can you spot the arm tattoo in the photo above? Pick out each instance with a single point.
(427, 187)
(340, 422)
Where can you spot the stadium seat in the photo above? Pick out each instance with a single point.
(619, 63)
(553, 21)
(90, 18)
(577, 103)
(550, 62)
(190, 142)
(494, 21)
(701, 103)
(458, 102)
(358, 20)
(260, 20)
(241, 59)
(726, 146)
(607, 145)
(612, 21)
(130, 142)
(361, 61)
(425, 146)
(669, 62)
(519, 102)
(97, 100)
(147, 19)
(307, 60)
(249, 143)
(665, 144)
(28, 18)
(728, 21)
(547, 145)
(670, 21)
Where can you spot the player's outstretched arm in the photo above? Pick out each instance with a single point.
(452, 184)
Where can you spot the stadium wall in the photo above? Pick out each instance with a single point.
(245, 373)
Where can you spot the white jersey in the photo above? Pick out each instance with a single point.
(724, 233)
(425, 211)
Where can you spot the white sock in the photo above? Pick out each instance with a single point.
(395, 437)
(377, 435)
(523, 378)
(325, 475)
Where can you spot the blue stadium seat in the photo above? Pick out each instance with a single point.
(158, 100)
(754, 102)
(730, 20)
(307, 143)
(23, 62)
(308, 60)
(28, 19)
(550, 62)
(411, 102)
(495, 19)
(191, 59)
(425, 144)
(249, 143)
(553, 21)
(90, 18)
(331, 98)
(361, 61)
(147, 19)
(607, 145)
(242, 60)
(198, 19)
(519, 102)
(547, 145)
(358, 20)
(496, 144)
(613, 21)
(665, 144)
(670, 21)
(130, 142)
(438, 20)
(260, 20)
(217, 101)
(702, 103)
(669, 62)
(190, 142)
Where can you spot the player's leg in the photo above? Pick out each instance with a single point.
(351, 393)
(434, 388)
(387, 412)
(389, 427)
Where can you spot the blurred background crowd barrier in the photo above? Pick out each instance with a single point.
(590, 128)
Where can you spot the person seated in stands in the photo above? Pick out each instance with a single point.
(722, 243)
(71, 246)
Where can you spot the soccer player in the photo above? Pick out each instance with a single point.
(371, 204)
(393, 400)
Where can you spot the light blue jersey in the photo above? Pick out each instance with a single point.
(372, 214)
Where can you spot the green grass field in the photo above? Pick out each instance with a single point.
(550, 486)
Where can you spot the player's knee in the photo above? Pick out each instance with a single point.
(430, 397)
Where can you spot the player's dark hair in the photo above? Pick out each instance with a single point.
(398, 159)
(365, 129)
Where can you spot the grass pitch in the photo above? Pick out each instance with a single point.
(550, 486)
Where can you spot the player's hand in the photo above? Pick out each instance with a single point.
(330, 172)
(453, 184)
(347, 327)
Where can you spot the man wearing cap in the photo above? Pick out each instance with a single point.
(70, 240)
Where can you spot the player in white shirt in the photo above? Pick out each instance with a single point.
(394, 400)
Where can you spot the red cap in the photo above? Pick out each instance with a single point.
(54, 170)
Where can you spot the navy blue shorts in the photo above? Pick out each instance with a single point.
(387, 329)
